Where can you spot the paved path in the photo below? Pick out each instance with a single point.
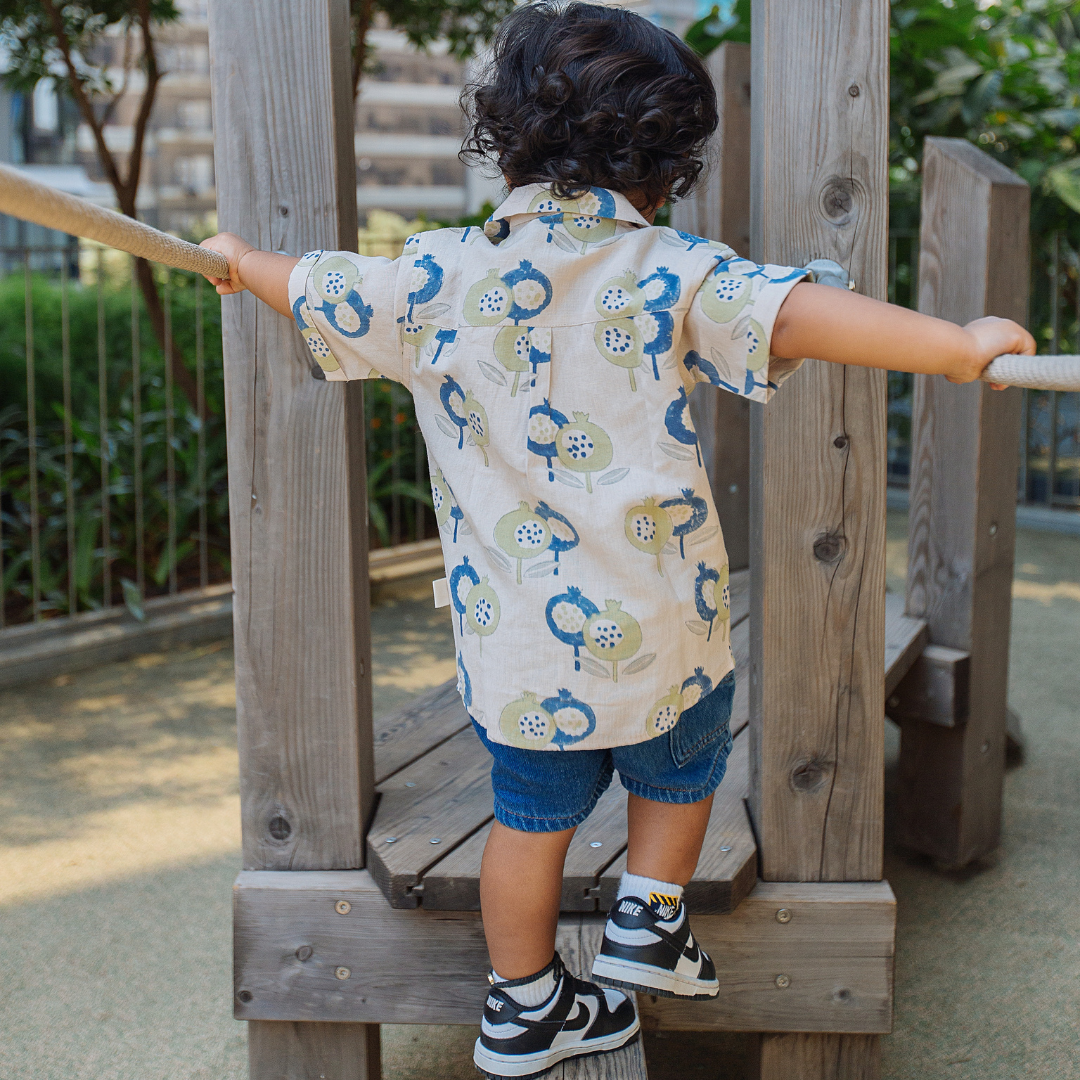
(119, 839)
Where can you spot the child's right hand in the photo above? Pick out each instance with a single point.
(991, 337)
(234, 249)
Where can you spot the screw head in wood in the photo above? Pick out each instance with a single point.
(983, 749)
(342, 973)
(727, 847)
(893, 702)
(854, 90)
(245, 996)
(343, 907)
(597, 843)
(783, 982)
(734, 488)
(783, 915)
(410, 783)
(390, 840)
(842, 995)
(993, 528)
(435, 840)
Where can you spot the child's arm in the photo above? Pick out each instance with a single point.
(846, 328)
(265, 273)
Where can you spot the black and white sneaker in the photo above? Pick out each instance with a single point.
(578, 1019)
(650, 948)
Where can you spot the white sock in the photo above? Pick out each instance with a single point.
(662, 896)
(531, 991)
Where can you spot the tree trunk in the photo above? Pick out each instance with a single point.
(182, 378)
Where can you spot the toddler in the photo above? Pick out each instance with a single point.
(550, 355)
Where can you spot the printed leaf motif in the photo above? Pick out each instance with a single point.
(640, 664)
(740, 328)
(469, 629)
(432, 311)
(704, 536)
(613, 477)
(670, 362)
(464, 529)
(490, 371)
(669, 548)
(541, 569)
(717, 356)
(604, 243)
(499, 559)
(449, 348)
(696, 627)
(470, 441)
(671, 241)
(594, 668)
(674, 450)
(446, 427)
(569, 479)
(563, 240)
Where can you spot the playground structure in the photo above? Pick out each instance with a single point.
(358, 901)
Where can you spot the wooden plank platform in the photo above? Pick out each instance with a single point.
(325, 946)
(427, 838)
(905, 639)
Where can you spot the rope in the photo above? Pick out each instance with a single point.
(24, 198)
(1035, 372)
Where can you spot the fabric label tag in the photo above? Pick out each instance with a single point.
(441, 588)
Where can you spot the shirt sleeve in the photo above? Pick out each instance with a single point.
(345, 306)
(729, 327)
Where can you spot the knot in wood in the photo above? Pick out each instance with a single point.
(279, 828)
(304, 953)
(838, 200)
(840, 442)
(829, 547)
(318, 373)
(810, 776)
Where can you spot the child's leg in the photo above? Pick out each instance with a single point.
(520, 890)
(665, 839)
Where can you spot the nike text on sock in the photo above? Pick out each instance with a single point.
(531, 991)
(662, 896)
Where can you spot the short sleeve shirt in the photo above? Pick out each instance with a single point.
(550, 355)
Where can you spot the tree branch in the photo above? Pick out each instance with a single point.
(153, 77)
(361, 20)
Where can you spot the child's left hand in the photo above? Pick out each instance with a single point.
(234, 249)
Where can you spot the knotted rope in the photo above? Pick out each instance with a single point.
(24, 198)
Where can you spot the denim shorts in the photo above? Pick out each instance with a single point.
(552, 790)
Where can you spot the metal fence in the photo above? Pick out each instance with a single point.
(113, 480)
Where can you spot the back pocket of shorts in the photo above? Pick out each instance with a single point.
(705, 723)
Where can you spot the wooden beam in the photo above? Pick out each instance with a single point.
(973, 262)
(720, 210)
(819, 1057)
(283, 118)
(905, 639)
(819, 189)
(325, 946)
(935, 690)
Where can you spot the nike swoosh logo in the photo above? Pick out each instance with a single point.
(579, 1020)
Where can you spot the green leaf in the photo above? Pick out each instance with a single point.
(133, 600)
(1064, 181)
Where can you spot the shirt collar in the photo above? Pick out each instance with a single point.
(535, 200)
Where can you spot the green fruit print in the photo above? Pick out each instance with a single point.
(482, 610)
(488, 301)
(512, 350)
(525, 723)
(335, 277)
(522, 534)
(476, 416)
(664, 715)
(757, 355)
(583, 447)
(441, 498)
(612, 635)
(418, 335)
(724, 295)
(648, 527)
(619, 342)
(621, 296)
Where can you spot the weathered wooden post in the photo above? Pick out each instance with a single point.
(720, 210)
(285, 179)
(973, 262)
(817, 526)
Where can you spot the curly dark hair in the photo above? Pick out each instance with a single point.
(579, 95)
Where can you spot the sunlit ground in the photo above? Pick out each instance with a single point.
(119, 840)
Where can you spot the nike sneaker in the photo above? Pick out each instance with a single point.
(578, 1019)
(649, 947)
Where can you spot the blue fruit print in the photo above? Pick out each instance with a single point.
(688, 514)
(677, 422)
(427, 277)
(443, 337)
(656, 331)
(704, 597)
(464, 683)
(706, 369)
(544, 425)
(567, 615)
(530, 291)
(564, 537)
(574, 720)
(661, 289)
(350, 317)
(453, 401)
(699, 685)
(462, 578)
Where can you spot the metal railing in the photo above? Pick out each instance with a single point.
(113, 483)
